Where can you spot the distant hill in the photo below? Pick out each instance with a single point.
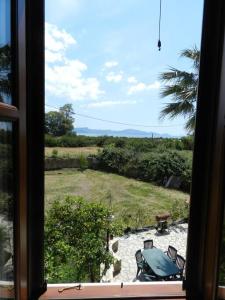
(121, 133)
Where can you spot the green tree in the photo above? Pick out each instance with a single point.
(58, 123)
(182, 86)
(75, 240)
(5, 72)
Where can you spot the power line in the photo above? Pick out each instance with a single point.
(115, 122)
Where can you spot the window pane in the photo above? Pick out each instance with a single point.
(6, 208)
(5, 52)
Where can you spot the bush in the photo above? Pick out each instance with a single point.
(75, 240)
(6, 205)
(50, 141)
(161, 166)
(155, 167)
(54, 153)
(114, 159)
(83, 163)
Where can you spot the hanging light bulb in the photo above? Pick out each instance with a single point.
(159, 45)
(160, 9)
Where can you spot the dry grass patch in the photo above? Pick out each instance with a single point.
(71, 152)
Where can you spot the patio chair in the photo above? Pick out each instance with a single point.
(147, 277)
(180, 262)
(139, 261)
(172, 253)
(148, 244)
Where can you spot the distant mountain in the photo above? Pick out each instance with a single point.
(120, 133)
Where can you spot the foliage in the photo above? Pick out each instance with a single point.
(114, 159)
(182, 86)
(155, 166)
(59, 123)
(54, 153)
(6, 205)
(136, 144)
(6, 174)
(83, 163)
(160, 166)
(3, 237)
(5, 72)
(75, 240)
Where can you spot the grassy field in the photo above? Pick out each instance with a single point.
(72, 151)
(134, 202)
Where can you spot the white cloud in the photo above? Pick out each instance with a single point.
(67, 81)
(65, 77)
(140, 86)
(109, 103)
(51, 57)
(56, 42)
(131, 79)
(111, 64)
(113, 77)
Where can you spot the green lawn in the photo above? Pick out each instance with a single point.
(134, 202)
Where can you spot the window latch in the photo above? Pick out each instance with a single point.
(76, 287)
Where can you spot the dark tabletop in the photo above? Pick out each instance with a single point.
(159, 262)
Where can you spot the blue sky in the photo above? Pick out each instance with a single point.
(102, 56)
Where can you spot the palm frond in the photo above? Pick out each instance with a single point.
(176, 75)
(179, 92)
(193, 54)
(190, 124)
(175, 109)
(182, 87)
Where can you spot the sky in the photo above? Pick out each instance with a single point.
(5, 22)
(102, 57)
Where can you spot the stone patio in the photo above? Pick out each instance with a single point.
(129, 244)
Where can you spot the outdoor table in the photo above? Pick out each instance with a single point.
(160, 263)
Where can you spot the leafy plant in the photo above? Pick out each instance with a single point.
(83, 163)
(54, 153)
(75, 240)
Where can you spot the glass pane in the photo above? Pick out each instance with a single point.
(5, 52)
(6, 209)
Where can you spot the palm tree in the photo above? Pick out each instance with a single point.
(5, 73)
(182, 86)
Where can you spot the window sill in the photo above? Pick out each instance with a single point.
(156, 290)
(6, 290)
(221, 292)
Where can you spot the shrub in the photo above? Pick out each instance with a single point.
(54, 153)
(162, 166)
(75, 240)
(6, 205)
(50, 141)
(155, 167)
(114, 159)
(83, 163)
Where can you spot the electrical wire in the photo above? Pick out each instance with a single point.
(116, 122)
